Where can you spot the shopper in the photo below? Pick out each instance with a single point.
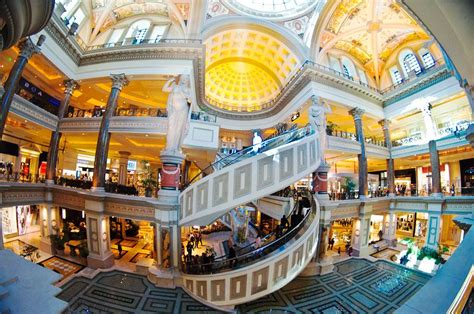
(119, 247)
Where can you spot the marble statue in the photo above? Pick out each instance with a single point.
(317, 119)
(178, 110)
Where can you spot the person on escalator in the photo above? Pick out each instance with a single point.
(284, 222)
(256, 142)
(232, 256)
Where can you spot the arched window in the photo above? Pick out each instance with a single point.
(138, 31)
(410, 63)
(348, 67)
(396, 76)
(426, 57)
(345, 70)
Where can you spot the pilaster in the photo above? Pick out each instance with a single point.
(98, 241)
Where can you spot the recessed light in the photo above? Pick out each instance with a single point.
(83, 133)
(146, 135)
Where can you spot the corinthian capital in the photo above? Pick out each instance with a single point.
(28, 48)
(119, 80)
(385, 124)
(357, 113)
(70, 86)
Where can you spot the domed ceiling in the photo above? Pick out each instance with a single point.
(246, 69)
(370, 31)
(272, 9)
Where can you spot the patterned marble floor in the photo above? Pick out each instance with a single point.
(355, 286)
(120, 292)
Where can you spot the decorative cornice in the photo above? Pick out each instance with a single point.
(31, 112)
(151, 125)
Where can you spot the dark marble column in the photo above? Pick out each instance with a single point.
(103, 141)
(123, 163)
(390, 163)
(27, 49)
(70, 85)
(435, 171)
(362, 158)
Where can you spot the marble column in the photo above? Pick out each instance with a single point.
(362, 158)
(435, 170)
(390, 163)
(98, 241)
(434, 229)
(360, 236)
(47, 215)
(123, 162)
(389, 228)
(103, 141)
(70, 85)
(320, 184)
(1, 231)
(158, 245)
(27, 49)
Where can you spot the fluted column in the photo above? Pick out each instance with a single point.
(27, 49)
(390, 163)
(123, 163)
(362, 158)
(103, 141)
(435, 170)
(70, 85)
(1, 231)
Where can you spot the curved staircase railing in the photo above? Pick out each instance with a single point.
(261, 276)
(250, 175)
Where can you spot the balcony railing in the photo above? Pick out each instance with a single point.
(141, 42)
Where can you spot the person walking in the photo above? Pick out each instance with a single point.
(119, 248)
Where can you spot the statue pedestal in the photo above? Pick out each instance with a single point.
(170, 173)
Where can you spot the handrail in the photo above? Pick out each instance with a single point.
(209, 269)
(268, 236)
(247, 150)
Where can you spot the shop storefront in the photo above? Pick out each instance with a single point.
(341, 233)
(424, 179)
(467, 176)
(20, 220)
(376, 228)
(412, 225)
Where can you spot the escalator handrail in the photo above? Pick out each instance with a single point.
(287, 236)
(248, 150)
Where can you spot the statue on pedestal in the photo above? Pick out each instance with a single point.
(178, 109)
(317, 119)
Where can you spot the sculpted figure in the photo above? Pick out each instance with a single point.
(317, 119)
(178, 109)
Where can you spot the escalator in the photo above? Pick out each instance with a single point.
(248, 175)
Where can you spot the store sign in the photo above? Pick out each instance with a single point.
(132, 165)
(39, 93)
(42, 170)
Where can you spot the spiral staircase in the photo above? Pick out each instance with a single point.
(242, 178)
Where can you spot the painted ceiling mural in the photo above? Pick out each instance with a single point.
(370, 31)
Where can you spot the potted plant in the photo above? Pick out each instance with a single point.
(148, 181)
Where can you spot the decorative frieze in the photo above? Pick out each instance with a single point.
(68, 200)
(22, 197)
(129, 210)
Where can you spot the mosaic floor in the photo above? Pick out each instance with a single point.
(355, 286)
(64, 267)
(119, 292)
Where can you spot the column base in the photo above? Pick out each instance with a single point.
(99, 189)
(361, 252)
(323, 267)
(322, 196)
(168, 196)
(392, 194)
(436, 195)
(49, 182)
(46, 246)
(161, 277)
(96, 261)
(364, 197)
